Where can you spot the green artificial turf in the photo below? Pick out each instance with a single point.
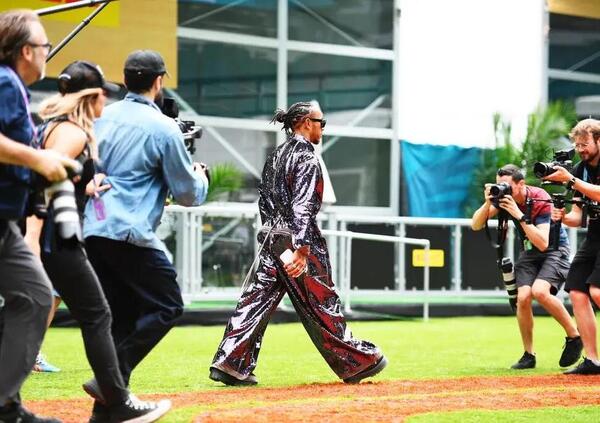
(440, 348)
(545, 415)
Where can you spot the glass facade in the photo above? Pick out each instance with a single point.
(253, 17)
(359, 170)
(574, 59)
(224, 75)
(344, 86)
(347, 22)
(227, 80)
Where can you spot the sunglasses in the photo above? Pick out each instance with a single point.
(322, 121)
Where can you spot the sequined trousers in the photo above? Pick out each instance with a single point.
(318, 306)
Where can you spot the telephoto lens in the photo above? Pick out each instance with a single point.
(61, 197)
(510, 284)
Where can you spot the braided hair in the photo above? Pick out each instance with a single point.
(294, 115)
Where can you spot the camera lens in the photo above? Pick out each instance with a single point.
(541, 169)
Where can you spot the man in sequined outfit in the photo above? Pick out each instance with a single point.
(291, 190)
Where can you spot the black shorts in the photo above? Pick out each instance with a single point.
(585, 268)
(551, 266)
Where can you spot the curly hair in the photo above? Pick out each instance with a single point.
(584, 127)
(294, 115)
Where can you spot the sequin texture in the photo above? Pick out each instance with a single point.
(291, 192)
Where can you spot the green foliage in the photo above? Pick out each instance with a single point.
(224, 178)
(546, 131)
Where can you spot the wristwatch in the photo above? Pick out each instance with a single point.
(523, 218)
(571, 183)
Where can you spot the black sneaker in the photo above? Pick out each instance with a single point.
(220, 376)
(136, 411)
(92, 388)
(527, 361)
(100, 413)
(19, 414)
(571, 351)
(368, 372)
(586, 367)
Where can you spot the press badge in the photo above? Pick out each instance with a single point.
(528, 245)
(99, 209)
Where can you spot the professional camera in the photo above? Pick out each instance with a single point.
(561, 158)
(191, 132)
(508, 277)
(498, 191)
(60, 197)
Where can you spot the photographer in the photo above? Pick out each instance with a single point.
(583, 280)
(68, 128)
(539, 271)
(143, 153)
(24, 286)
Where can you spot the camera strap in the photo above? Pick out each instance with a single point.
(501, 232)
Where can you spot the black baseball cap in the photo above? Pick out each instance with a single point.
(81, 75)
(145, 62)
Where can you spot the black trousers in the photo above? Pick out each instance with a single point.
(74, 279)
(26, 292)
(141, 288)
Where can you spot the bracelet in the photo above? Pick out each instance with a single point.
(571, 182)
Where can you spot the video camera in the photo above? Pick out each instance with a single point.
(191, 132)
(561, 158)
(498, 191)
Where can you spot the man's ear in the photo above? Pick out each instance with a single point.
(26, 51)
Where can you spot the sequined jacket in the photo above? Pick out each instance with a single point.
(292, 187)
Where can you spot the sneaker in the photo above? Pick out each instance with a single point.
(527, 361)
(571, 351)
(41, 365)
(135, 411)
(220, 376)
(19, 414)
(92, 388)
(368, 372)
(100, 413)
(586, 367)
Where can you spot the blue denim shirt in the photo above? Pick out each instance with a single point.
(143, 155)
(16, 124)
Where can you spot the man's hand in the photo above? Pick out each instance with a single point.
(51, 165)
(298, 265)
(202, 170)
(557, 214)
(95, 187)
(560, 175)
(508, 203)
(486, 194)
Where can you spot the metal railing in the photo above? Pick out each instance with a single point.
(192, 245)
(347, 262)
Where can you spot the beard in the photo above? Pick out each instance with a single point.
(159, 98)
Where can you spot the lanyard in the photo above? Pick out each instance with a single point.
(25, 99)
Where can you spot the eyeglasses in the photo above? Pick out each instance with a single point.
(322, 121)
(581, 146)
(47, 46)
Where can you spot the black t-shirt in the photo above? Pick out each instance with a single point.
(589, 174)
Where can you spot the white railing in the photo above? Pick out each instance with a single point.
(191, 244)
(346, 258)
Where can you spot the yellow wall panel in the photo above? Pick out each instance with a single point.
(123, 26)
(582, 8)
